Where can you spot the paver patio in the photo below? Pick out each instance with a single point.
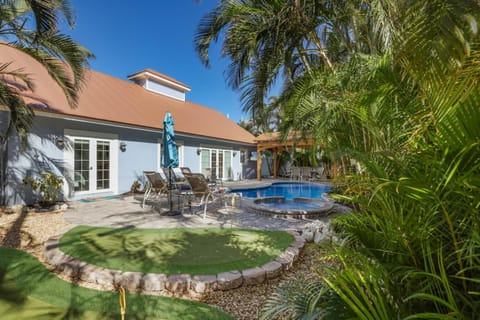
(127, 212)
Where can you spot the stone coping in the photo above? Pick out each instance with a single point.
(177, 284)
(263, 184)
(325, 207)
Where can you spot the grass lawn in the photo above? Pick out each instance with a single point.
(29, 291)
(175, 251)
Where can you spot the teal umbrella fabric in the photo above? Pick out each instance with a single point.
(169, 152)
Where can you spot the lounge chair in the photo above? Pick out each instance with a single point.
(178, 180)
(306, 173)
(162, 174)
(202, 190)
(155, 186)
(318, 173)
(296, 173)
(185, 170)
(285, 172)
(178, 174)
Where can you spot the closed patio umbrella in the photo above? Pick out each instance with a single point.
(169, 157)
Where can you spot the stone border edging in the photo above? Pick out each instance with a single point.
(151, 283)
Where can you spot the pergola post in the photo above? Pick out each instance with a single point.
(275, 167)
(259, 165)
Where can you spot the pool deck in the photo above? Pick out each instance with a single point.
(127, 212)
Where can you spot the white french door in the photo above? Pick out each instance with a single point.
(216, 163)
(93, 163)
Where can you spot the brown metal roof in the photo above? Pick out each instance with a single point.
(111, 99)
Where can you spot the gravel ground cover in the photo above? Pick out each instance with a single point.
(29, 230)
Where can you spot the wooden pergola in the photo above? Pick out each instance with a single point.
(273, 141)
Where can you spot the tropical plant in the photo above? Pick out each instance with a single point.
(301, 298)
(402, 99)
(265, 119)
(46, 186)
(32, 27)
(263, 39)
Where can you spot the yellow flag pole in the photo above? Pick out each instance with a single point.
(123, 302)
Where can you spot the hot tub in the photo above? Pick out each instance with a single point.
(298, 208)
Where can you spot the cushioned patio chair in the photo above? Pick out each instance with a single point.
(318, 173)
(307, 173)
(202, 190)
(155, 186)
(296, 173)
(178, 180)
(185, 170)
(285, 172)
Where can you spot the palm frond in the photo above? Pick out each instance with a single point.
(300, 298)
(69, 75)
(428, 27)
(364, 287)
(18, 73)
(21, 115)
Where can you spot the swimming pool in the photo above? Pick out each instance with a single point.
(289, 200)
(288, 190)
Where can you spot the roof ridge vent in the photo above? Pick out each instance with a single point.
(159, 83)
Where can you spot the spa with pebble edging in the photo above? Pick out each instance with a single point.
(175, 260)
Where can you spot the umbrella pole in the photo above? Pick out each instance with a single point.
(170, 189)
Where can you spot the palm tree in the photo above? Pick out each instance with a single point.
(292, 39)
(265, 119)
(402, 98)
(412, 119)
(32, 26)
(263, 39)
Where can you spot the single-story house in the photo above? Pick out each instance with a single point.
(101, 147)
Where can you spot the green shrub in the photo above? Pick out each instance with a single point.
(47, 187)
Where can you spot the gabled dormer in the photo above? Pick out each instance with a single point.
(159, 83)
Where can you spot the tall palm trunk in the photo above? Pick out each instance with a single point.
(3, 169)
(321, 51)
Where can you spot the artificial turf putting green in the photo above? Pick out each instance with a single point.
(29, 291)
(175, 251)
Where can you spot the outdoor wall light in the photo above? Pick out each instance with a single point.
(123, 146)
(199, 151)
(234, 153)
(60, 142)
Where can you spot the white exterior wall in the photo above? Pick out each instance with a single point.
(163, 89)
(142, 154)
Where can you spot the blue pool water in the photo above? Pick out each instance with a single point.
(287, 190)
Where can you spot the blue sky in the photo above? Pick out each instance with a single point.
(128, 36)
